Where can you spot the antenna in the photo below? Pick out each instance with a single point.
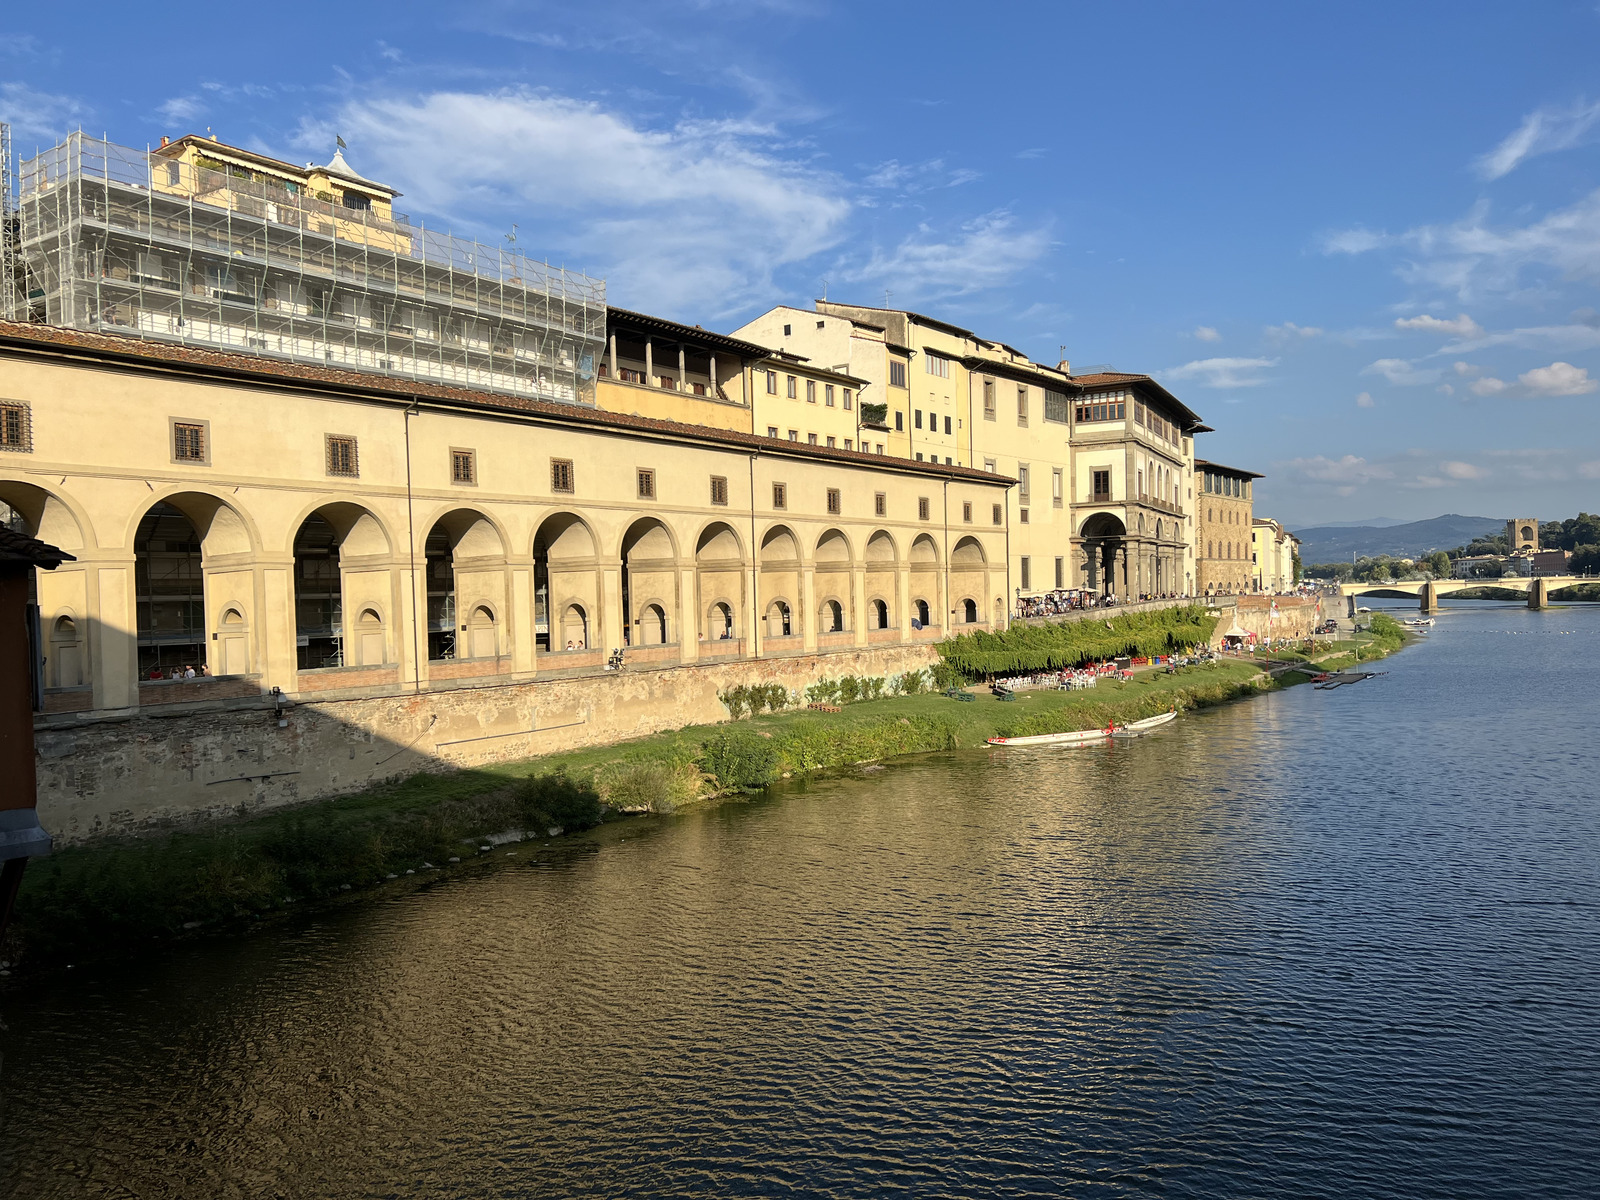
(512, 236)
(824, 289)
(886, 297)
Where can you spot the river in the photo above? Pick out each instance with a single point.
(1323, 943)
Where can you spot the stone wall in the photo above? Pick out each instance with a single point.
(135, 773)
(1297, 616)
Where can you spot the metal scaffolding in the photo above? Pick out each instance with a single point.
(117, 240)
(10, 285)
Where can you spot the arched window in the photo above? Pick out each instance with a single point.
(832, 617)
(721, 621)
(574, 628)
(779, 623)
(170, 594)
(921, 607)
(370, 647)
(484, 642)
(66, 656)
(653, 626)
(880, 613)
(969, 611)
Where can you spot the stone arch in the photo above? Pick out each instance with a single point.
(969, 611)
(832, 547)
(566, 575)
(464, 553)
(483, 632)
(719, 579)
(925, 580)
(879, 610)
(649, 559)
(46, 514)
(883, 579)
(779, 574)
(780, 619)
(881, 549)
(222, 528)
(719, 621)
(922, 611)
(65, 652)
(830, 616)
(924, 550)
(370, 643)
(968, 554)
(1104, 541)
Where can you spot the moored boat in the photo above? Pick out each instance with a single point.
(1088, 737)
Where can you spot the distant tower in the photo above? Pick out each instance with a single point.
(1522, 535)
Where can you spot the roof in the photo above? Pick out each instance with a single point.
(267, 372)
(918, 318)
(687, 333)
(337, 168)
(19, 547)
(1027, 372)
(1201, 464)
(1190, 420)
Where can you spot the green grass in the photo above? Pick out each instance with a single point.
(113, 896)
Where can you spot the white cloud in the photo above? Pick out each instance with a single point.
(1462, 326)
(37, 116)
(986, 252)
(691, 216)
(1402, 372)
(1206, 333)
(1467, 370)
(1289, 331)
(1365, 400)
(910, 178)
(1224, 372)
(1589, 470)
(181, 108)
(1489, 386)
(1461, 470)
(1542, 131)
(1558, 379)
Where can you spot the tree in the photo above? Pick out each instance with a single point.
(1439, 563)
(1297, 567)
(1585, 559)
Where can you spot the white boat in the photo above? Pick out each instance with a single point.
(1088, 737)
(1420, 622)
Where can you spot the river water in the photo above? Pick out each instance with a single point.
(1323, 943)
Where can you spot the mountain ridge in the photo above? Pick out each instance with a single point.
(1336, 543)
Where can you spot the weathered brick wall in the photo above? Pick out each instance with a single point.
(147, 771)
(1297, 616)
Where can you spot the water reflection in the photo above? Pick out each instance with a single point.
(1336, 943)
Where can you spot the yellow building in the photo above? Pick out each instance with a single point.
(1224, 534)
(1273, 550)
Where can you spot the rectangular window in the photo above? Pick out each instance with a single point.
(919, 456)
(1101, 487)
(834, 502)
(719, 489)
(849, 443)
(647, 484)
(922, 508)
(988, 399)
(897, 374)
(832, 444)
(561, 475)
(899, 422)
(811, 391)
(1056, 487)
(880, 504)
(772, 431)
(794, 388)
(999, 515)
(1022, 516)
(966, 511)
(947, 427)
(342, 456)
(189, 442)
(916, 418)
(464, 466)
(811, 439)
(772, 383)
(938, 365)
(827, 394)
(1023, 485)
(780, 495)
(16, 429)
(1055, 408)
(847, 401)
(878, 449)
(1022, 406)
(1027, 573)
(991, 466)
(1061, 573)
(794, 435)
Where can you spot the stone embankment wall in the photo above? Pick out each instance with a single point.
(137, 773)
(1297, 616)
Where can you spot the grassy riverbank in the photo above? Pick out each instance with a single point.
(113, 897)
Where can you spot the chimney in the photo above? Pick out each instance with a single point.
(1064, 366)
(165, 141)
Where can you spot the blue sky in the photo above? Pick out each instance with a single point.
(1362, 240)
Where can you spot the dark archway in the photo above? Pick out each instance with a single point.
(169, 589)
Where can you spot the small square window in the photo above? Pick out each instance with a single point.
(820, 324)
(719, 489)
(189, 441)
(880, 504)
(811, 439)
(1022, 515)
(919, 456)
(966, 511)
(834, 501)
(999, 516)
(833, 442)
(922, 508)
(794, 435)
(990, 466)
(464, 467)
(788, 331)
(342, 456)
(561, 475)
(780, 495)
(16, 428)
(849, 443)
(647, 484)
(772, 431)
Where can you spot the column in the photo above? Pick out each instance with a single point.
(807, 616)
(902, 581)
(858, 605)
(713, 376)
(944, 596)
(609, 619)
(114, 637)
(614, 374)
(683, 369)
(689, 615)
(272, 626)
(649, 363)
(521, 631)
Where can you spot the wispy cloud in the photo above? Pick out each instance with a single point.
(1543, 131)
(1462, 326)
(984, 252)
(1224, 372)
(35, 115)
(910, 178)
(1364, 400)
(1206, 333)
(1558, 379)
(700, 214)
(1402, 372)
(1290, 332)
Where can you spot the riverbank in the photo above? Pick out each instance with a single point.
(112, 897)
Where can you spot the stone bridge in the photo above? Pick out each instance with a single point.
(1431, 591)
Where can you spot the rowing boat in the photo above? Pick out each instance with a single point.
(1087, 737)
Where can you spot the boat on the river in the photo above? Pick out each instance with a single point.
(1420, 622)
(1088, 737)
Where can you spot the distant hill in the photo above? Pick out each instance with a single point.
(1375, 523)
(1336, 543)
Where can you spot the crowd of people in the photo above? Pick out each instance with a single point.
(187, 671)
(1070, 600)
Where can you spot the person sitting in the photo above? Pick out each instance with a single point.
(569, 644)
